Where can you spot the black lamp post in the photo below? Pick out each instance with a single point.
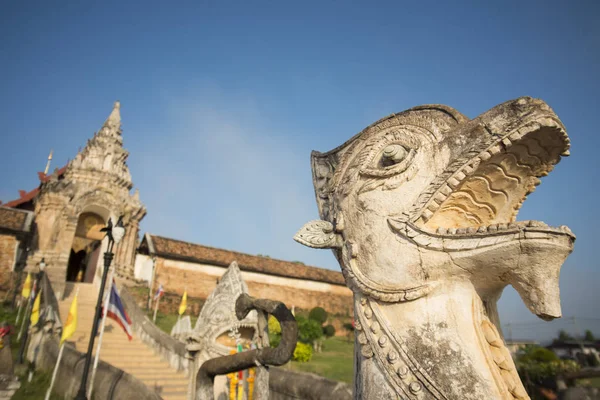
(114, 234)
(27, 316)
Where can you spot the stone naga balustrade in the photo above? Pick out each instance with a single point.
(167, 347)
(110, 382)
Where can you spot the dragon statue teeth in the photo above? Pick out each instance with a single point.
(420, 211)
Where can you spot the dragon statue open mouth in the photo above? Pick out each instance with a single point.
(213, 334)
(420, 210)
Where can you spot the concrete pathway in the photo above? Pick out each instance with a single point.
(133, 357)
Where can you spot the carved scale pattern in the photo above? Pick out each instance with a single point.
(358, 285)
(403, 372)
(502, 360)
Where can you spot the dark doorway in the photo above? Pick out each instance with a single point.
(76, 266)
(85, 250)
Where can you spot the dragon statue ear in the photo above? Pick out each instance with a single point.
(319, 234)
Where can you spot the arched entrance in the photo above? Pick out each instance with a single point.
(85, 250)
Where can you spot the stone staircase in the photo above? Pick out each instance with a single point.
(133, 357)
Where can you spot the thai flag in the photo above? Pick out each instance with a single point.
(160, 292)
(117, 312)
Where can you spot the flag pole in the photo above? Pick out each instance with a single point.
(29, 304)
(155, 309)
(19, 312)
(106, 300)
(60, 353)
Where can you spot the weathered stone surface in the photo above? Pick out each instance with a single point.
(285, 384)
(8, 248)
(6, 362)
(96, 184)
(256, 357)
(420, 210)
(110, 382)
(217, 322)
(9, 384)
(166, 346)
(182, 328)
(580, 393)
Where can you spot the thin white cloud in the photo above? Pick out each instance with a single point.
(226, 177)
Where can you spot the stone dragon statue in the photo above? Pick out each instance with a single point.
(217, 318)
(420, 211)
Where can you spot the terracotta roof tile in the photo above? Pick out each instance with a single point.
(176, 249)
(24, 196)
(15, 220)
(59, 172)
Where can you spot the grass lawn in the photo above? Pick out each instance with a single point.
(593, 382)
(36, 389)
(336, 361)
(166, 322)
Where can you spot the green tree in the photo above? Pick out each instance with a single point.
(308, 330)
(532, 353)
(537, 366)
(589, 336)
(349, 327)
(318, 314)
(329, 330)
(563, 336)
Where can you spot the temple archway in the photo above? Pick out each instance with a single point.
(86, 247)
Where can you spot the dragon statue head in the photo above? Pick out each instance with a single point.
(217, 322)
(420, 210)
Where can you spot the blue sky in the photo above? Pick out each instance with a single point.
(222, 103)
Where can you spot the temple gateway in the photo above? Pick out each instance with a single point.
(60, 221)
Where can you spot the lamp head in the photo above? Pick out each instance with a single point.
(118, 231)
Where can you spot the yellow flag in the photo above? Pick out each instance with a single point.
(183, 305)
(71, 324)
(26, 287)
(35, 311)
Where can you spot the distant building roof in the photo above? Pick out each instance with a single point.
(573, 344)
(184, 251)
(521, 341)
(24, 197)
(16, 221)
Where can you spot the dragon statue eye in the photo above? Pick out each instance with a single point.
(393, 154)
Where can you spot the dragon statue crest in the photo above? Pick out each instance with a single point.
(420, 211)
(211, 336)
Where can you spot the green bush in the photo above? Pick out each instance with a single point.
(318, 314)
(538, 372)
(303, 352)
(537, 366)
(537, 354)
(274, 340)
(308, 330)
(329, 330)
(274, 327)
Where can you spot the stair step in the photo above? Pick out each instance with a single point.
(164, 381)
(161, 374)
(176, 385)
(132, 356)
